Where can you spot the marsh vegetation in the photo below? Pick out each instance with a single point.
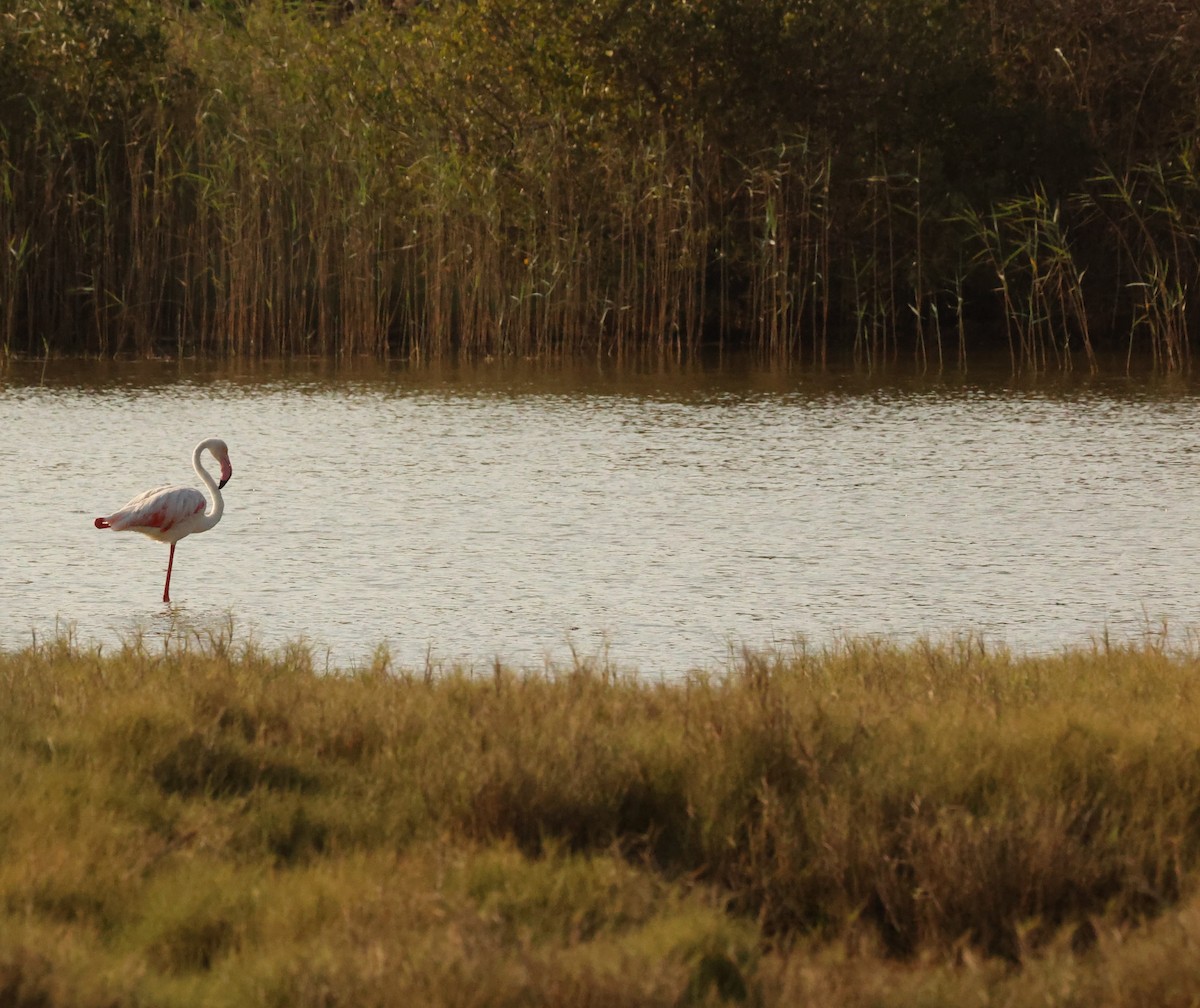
(203, 822)
(923, 179)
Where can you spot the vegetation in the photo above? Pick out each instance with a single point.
(548, 177)
(868, 824)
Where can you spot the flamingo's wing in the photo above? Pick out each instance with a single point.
(158, 512)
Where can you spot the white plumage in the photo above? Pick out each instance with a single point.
(168, 513)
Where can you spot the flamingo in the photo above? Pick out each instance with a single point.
(168, 513)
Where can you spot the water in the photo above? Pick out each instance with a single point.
(660, 521)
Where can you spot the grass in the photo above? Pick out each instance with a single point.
(863, 824)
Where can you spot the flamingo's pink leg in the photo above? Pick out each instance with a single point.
(167, 586)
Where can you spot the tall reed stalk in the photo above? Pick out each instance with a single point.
(271, 181)
(1149, 214)
(1028, 250)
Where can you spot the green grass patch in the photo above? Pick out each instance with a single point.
(867, 823)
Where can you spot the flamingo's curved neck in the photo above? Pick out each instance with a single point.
(213, 515)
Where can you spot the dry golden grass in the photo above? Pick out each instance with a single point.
(862, 824)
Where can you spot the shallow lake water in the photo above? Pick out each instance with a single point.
(656, 520)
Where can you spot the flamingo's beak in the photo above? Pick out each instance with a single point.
(226, 472)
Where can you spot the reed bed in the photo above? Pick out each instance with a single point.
(197, 820)
(894, 178)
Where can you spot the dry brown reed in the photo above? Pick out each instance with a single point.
(269, 181)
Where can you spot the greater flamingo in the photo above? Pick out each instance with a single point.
(168, 513)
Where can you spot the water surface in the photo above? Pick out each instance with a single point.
(659, 519)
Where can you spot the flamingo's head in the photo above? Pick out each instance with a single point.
(220, 451)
